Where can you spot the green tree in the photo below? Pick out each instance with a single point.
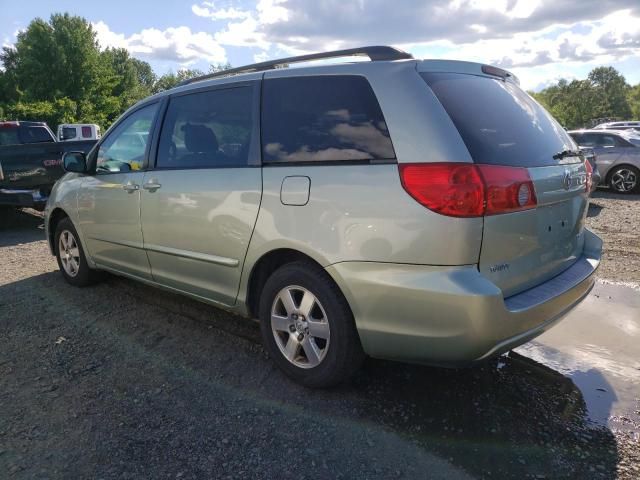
(170, 80)
(610, 91)
(55, 59)
(603, 94)
(633, 97)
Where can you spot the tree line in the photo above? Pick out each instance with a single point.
(603, 95)
(57, 72)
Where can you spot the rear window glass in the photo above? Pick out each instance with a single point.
(35, 135)
(324, 118)
(499, 123)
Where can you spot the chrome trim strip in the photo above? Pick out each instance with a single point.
(123, 243)
(1, 172)
(203, 257)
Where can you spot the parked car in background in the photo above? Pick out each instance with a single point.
(78, 131)
(31, 162)
(424, 211)
(633, 125)
(617, 156)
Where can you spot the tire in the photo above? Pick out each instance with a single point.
(71, 258)
(624, 179)
(321, 347)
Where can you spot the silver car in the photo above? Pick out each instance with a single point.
(617, 156)
(422, 211)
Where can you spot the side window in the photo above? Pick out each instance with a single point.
(9, 136)
(35, 135)
(606, 141)
(125, 147)
(207, 129)
(324, 118)
(86, 132)
(68, 133)
(587, 140)
(621, 142)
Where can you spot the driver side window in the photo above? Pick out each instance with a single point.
(125, 147)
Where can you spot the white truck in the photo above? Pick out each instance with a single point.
(78, 131)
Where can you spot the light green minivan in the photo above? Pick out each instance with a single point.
(422, 211)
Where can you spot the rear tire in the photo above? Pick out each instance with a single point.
(307, 326)
(624, 179)
(71, 258)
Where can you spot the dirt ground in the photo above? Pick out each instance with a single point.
(123, 381)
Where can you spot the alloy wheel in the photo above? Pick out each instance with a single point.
(69, 253)
(300, 326)
(624, 180)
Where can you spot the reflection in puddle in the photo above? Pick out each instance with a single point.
(606, 384)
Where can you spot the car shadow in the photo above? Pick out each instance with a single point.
(510, 417)
(20, 226)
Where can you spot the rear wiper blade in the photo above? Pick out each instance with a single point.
(567, 153)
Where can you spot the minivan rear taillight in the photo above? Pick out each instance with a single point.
(468, 190)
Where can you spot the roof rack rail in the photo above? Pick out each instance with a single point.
(375, 54)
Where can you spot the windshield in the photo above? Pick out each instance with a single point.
(499, 122)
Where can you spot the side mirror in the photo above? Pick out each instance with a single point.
(74, 162)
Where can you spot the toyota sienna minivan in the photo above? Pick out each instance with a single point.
(417, 210)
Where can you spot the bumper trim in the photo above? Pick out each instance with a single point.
(22, 197)
(548, 290)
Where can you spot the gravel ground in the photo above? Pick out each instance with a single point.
(616, 219)
(121, 381)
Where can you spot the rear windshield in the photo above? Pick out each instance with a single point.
(499, 123)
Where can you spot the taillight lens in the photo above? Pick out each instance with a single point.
(508, 189)
(468, 190)
(589, 169)
(454, 189)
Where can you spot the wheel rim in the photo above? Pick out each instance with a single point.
(300, 327)
(69, 253)
(624, 180)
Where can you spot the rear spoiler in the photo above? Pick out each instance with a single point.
(499, 72)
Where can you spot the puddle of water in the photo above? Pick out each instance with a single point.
(597, 346)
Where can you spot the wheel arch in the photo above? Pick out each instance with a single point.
(55, 217)
(265, 266)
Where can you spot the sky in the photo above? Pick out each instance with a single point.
(540, 41)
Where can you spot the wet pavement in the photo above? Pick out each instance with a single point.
(597, 346)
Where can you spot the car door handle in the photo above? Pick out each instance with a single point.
(151, 185)
(130, 187)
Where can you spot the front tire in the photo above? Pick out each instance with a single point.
(624, 179)
(307, 326)
(70, 256)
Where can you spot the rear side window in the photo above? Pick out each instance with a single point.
(207, 130)
(499, 123)
(35, 135)
(86, 132)
(9, 136)
(68, 133)
(324, 118)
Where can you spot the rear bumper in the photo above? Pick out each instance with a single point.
(22, 198)
(454, 315)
